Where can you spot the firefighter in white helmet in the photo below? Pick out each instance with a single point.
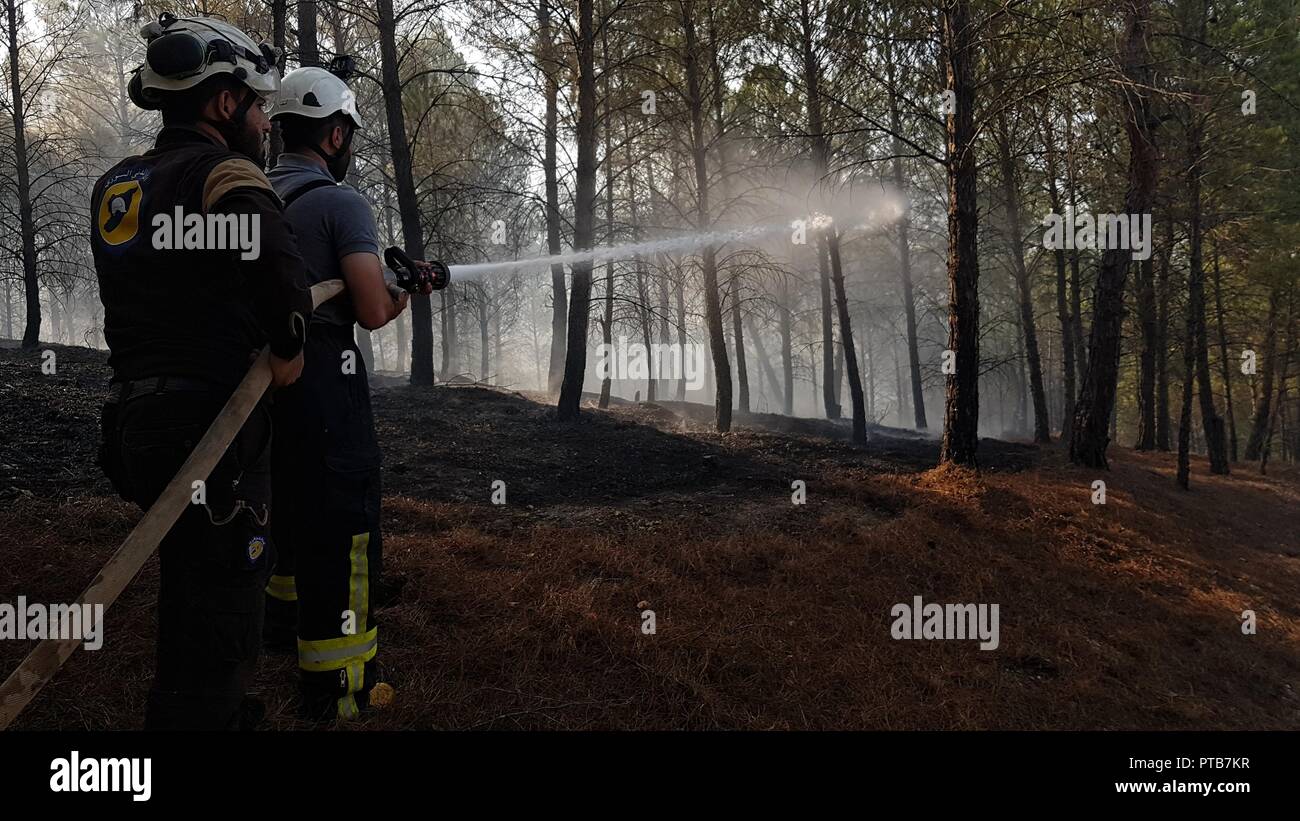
(182, 326)
(326, 457)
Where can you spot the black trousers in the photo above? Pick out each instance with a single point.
(326, 464)
(215, 560)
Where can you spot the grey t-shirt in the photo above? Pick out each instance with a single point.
(330, 222)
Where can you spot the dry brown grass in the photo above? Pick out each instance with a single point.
(769, 615)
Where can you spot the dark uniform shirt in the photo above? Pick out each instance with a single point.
(330, 222)
(198, 313)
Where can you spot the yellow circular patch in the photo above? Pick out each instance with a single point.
(119, 212)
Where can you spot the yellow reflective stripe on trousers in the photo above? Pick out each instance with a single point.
(283, 588)
(348, 707)
(356, 678)
(359, 580)
(336, 654)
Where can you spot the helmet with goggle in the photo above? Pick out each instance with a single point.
(182, 52)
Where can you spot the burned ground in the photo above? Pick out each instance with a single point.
(769, 614)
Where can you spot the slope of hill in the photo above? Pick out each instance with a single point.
(768, 614)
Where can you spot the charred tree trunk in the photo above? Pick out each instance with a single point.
(1224, 364)
(26, 214)
(737, 331)
(681, 338)
(1042, 423)
(832, 409)
(1147, 320)
(1076, 275)
(484, 338)
(787, 352)
(815, 130)
(738, 341)
(958, 55)
(905, 250)
(1162, 336)
(575, 361)
(1215, 445)
(763, 360)
(279, 23)
(607, 322)
(708, 258)
(308, 49)
(559, 296)
(1063, 318)
(1259, 425)
(408, 205)
(846, 340)
(1097, 395)
(1183, 477)
(663, 324)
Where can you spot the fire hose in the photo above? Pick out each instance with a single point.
(46, 658)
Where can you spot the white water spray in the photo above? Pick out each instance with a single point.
(885, 212)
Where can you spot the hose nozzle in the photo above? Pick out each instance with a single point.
(410, 277)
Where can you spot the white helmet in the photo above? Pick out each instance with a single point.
(184, 51)
(315, 93)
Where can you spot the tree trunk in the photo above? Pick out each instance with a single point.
(904, 249)
(1042, 423)
(1215, 444)
(681, 337)
(868, 357)
(1224, 364)
(899, 415)
(607, 322)
(408, 206)
(1183, 477)
(1162, 336)
(1063, 318)
(484, 338)
(559, 296)
(26, 215)
(737, 330)
(787, 352)
(664, 337)
(279, 22)
(712, 303)
(575, 361)
(819, 159)
(1259, 425)
(1076, 275)
(308, 50)
(1097, 395)
(763, 361)
(958, 55)
(846, 340)
(738, 341)
(832, 409)
(1148, 321)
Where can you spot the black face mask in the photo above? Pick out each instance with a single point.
(338, 164)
